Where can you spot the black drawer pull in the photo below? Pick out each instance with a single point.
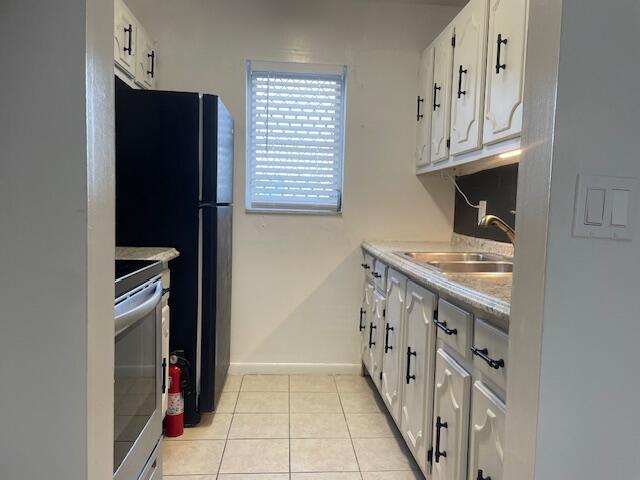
(365, 266)
(376, 275)
(481, 476)
(500, 66)
(362, 312)
(419, 115)
(436, 89)
(483, 353)
(437, 453)
(388, 329)
(461, 71)
(372, 327)
(443, 326)
(408, 376)
(152, 56)
(129, 30)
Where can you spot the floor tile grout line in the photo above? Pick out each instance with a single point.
(226, 440)
(353, 447)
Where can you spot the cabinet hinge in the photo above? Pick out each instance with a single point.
(453, 41)
(430, 455)
(448, 143)
(384, 312)
(380, 374)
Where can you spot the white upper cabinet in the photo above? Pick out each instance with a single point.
(124, 38)
(486, 448)
(441, 95)
(146, 61)
(469, 61)
(392, 354)
(417, 379)
(450, 419)
(423, 112)
(505, 69)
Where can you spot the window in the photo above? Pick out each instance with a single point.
(295, 137)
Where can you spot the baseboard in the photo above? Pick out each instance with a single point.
(241, 368)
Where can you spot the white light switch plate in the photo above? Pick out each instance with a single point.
(605, 207)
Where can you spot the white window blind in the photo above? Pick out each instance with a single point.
(295, 137)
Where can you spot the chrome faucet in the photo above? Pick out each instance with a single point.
(489, 220)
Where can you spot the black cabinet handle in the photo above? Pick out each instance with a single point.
(481, 476)
(164, 375)
(460, 72)
(365, 266)
(409, 377)
(152, 56)
(362, 312)
(387, 329)
(443, 326)
(129, 30)
(500, 66)
(437, 453)
(483, 353)
(376, 275)
(372, 327)
(436, 89)
(419, 115)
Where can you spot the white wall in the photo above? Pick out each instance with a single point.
(56, 240)
(297, 278)
(584, 382)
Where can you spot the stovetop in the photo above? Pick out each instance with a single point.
(133, 273)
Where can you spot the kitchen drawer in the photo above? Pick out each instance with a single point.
(380, 275)
(490, 347)
(455, 328)
(368, 266)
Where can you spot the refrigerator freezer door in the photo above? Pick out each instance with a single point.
(216, 303)
(217, 151)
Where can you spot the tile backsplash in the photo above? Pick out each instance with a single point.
(498, 187)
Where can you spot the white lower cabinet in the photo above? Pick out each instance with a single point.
(364, 318)
(450, 419)
(373, 355)
(417, 382)
(486, 446)
(166, 328)
(392, 348)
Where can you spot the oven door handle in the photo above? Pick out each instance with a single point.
(128, 318)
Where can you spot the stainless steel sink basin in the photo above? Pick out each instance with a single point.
(453, 256)
(473, 267)
(462, 262)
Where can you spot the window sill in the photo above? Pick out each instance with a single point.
(286, 211)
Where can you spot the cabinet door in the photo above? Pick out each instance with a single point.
(424, 104)
(124, 38)
(441, 95)
(450, 419)
(146, 61)
(469, 62)
(376, 325)
(392, 348)
(417, 393)
(366, 310)
(487, 434)
(505, 69)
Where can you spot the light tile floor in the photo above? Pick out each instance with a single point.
(297, 427)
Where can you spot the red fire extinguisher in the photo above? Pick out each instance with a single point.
(174, 426)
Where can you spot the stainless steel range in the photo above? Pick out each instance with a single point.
(138, 371)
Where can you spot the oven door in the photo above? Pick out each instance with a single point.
(138, 379)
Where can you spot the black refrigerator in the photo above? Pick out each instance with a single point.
(174, 188)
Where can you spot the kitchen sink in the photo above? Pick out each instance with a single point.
(462, 262)
(473, 267)
(453, 256)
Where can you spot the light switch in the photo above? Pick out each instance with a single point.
(605, 206)
(594, 210)
(620, 208)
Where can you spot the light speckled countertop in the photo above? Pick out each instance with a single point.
(490, 294)
(163, 254)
